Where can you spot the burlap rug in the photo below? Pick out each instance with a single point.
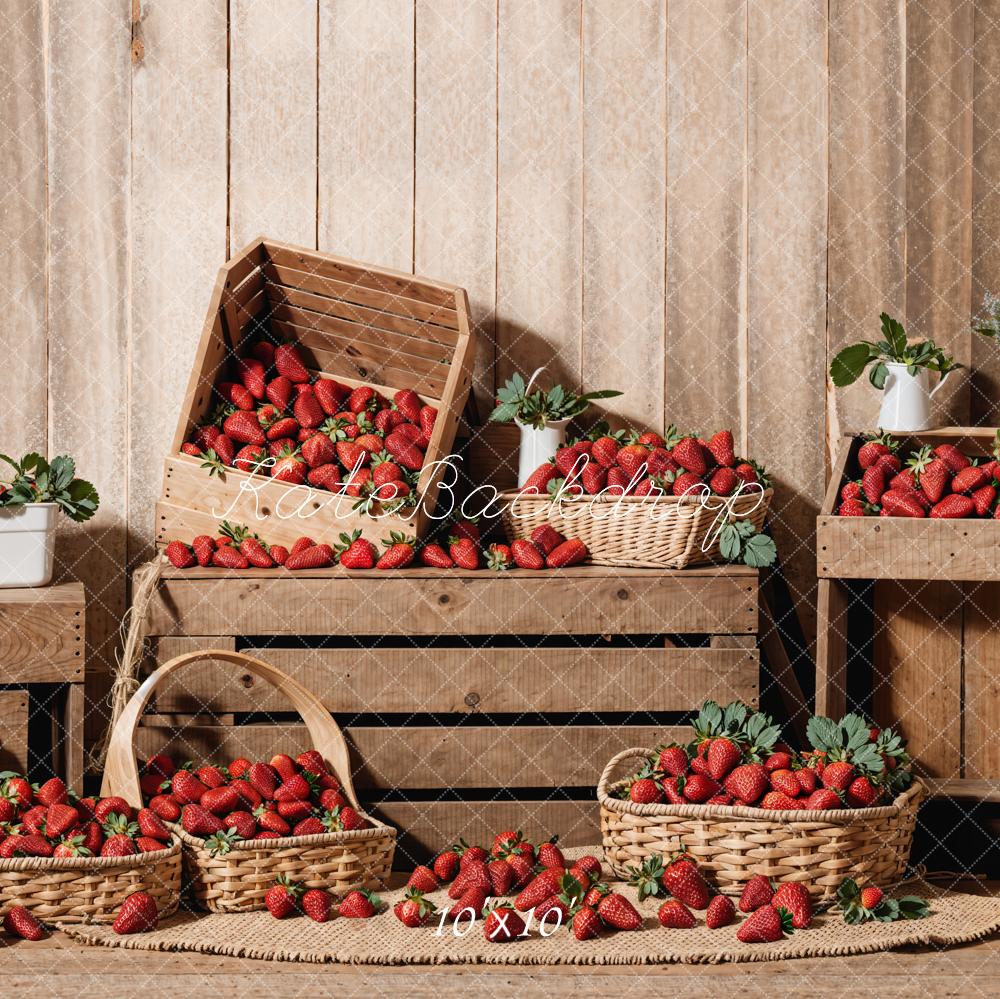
(956, 917)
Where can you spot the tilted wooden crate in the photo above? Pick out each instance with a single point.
(354, 322)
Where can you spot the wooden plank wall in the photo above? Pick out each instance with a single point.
(695, 203)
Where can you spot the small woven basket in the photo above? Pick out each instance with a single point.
(638, 532)
(90, 889)
(733, 843)
(237, 881)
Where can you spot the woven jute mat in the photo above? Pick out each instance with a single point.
(956, 917)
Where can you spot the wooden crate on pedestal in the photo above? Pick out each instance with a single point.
(476, 700)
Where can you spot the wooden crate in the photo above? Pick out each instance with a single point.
(14, 730)
(357, 323)
(472, 698)
(929, 618)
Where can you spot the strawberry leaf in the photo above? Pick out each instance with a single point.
(759, 551)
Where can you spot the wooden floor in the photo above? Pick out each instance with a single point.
(58, 967)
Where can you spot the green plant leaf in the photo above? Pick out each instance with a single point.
(878, 375)
(847, 366)
(62, 470)
(759, 551)
(80, 500)
(912, 907)
(730, 543)
(895, 336)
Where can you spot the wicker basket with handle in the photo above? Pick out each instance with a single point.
(732, 843)
(237, 881)
(634, 531)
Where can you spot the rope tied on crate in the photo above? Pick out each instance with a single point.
(132, 632)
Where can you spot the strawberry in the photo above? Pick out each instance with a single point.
(838, 775)
(192, 450)
(180, 555)
(546, 538)
(271, 822)
(262, 777)
(675, 915)
(526, 555)
(293, 788)
(823, 799)
(112, 805)
(150, 824)
(952, 457)
(463, 552)
(747, 473)
(317, 557)
(501, 876)
(673, 760)
(279, 392)
(899, 503)
(359, 904)
(617, 911)
(344, 819)
(25, 846)
(698, 788)
(632, 459)
(684, 880)
(52, 792)
(549, 855)
(660, 462)
(523, 870)
(228, 557)
(436, 557)
(21, 922)
(428, 417)
(351, 456)
(251, 372)
(414, 910)
(243, 822)
(794, 896)
(166, 807)
(766, 925)
(199, 821)
(786, 782)
(569, 462)
(146, 844)
(605, 451)
(361, 399)
(593, 478)
(721, 447)
(238, 767)
(852, 491)
(282, 897)
(934, 479)
(807, 779)
(309, 826)
(983, 499)
(311, 761)
(953, 507)
(385, 471)
(316, 904)
(289, 467)
(119, 845)
(75, 846)
(686, 483)
(586, 923)
(325, 477)
(723, 482)
(969, 479)
(862, 793)
(571, 552)
(851, 508)
(645, 791)
(446, 866)
(358, 553)
(889, 464)
(502, 924)
(236, 394)
(872, 451)
(244, 428)
(256, 554)
(588, 865)
(283, 429)
(723, 755)
(775, 800)
(498, 557)
(541, 887)
(289, 363)
(408, 403)
(330, 394)
(871, 897)
(319, 450)
(59, 819)
(398, 554)
(873, 483)
(423, 879)
(537, 483)
(204, 548)
(721, 912)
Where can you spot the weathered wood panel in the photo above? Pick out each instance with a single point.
(540, 192)
(272, 94)
(706, 193)
(88, 142)
(455, 196)
(42, 634)
(14, 730)
(366, 102)
(178, 198)
(23, 230)
(624, 168)
(980, 682)
(939, 90)
(867, 238)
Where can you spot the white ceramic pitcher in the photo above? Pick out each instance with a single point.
(538, 444)
(906, 399)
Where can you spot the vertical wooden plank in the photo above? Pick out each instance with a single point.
(456, 147)
(832, 606)
(178, 197)
(272, 142)
(22, 227)
(786, 284)
(939, 82)
(88, 141)
(366, 102)
(981, 682)
(918, 669)
(624, 144)
(985, 375)
(867, 238)
(706, 221)
(539, 227)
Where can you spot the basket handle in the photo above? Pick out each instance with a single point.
(613, 763)
(121, 772)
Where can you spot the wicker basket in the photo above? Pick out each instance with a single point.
(668, 532)
(238, 880)
(90, 889)
(733, 843)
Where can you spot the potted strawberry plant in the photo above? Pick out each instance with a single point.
(29, 506)
(900, 370)
(542, 417)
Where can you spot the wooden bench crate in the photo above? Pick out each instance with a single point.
(909, 622)
(356, 323)
(472, 701)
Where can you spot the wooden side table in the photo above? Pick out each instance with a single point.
(42, 666)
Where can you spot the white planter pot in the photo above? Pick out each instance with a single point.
(538, 446)
(906, 400)
(27, 544)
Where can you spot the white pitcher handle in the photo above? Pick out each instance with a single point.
(930, 395)
(531, 380)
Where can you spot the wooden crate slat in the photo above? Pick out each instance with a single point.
(42, 634)
(981, 681)
(14, 730)
(426, 756)
(429, 602)
(490, 680)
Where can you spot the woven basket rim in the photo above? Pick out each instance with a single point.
(836, 816)
(538, 498)
(375, 831)
(45, 864)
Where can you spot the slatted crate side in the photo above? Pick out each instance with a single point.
(898, 547)
(14, 730)
(42, 634)
(434, 680)
(583, 600)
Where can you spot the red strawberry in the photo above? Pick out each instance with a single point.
(723, 482)
(359, 553)
(633, 459)
(807, 779)
(934, 479)
(166, 807)
(316, 904)
(502, 924)
(289, 467)
(546, 538)
(685, 483)
(570, 552)
(593, 478)
(283, 429)
(673, 760)
(52, 792)
(953, 507)
(766, 925)
(399, 552)
(317, 557)
(180, 555)
(199, 821)
(526, 555)
(786, 782)
(294, 788)
(263, 778)
(406, 454)
(119, 845)
(414, 910)
(873, 483)
(279, 392)
(319, 450)
(871, 452)
(851, 508)
(463, 553)
(423, 879)
(983, 499)
(243, 822)
(969, 479)
(538, 481)
(523, 870)
(501, 876)
(408, 403)
(899, 503)
(282, 898)
(862, 793)
(330, 394)
(838, 775)
(204, 549)
(271, 822)
(541, 887)
(684, 880)
(721, 447)
(150, 824)
(228, 557)
(675, 915)
(952, 457)
(236, 394)
(823, 799)
(309, 826)
(690, 455)
(351, 456)
(446, 866)
(549, 855)
(325, 477)
(780, 802)
(146, 844)
(256, 554)
(112, 805)
(244, 428)
(698, 788)
(25, 846)
(723, 754)
(428, 417)
(617, 911)
(871, 897)
(289, 363)
(435, 556)
(21, 922)
(794, 896)
(645, 791)
(721, 912)
(251, 372)
(605, 451)
(361, 398)
(586, 923)
(359, 904)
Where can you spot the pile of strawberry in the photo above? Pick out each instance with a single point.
(51, 821)
(736, 759)
(136, 914)
(941, 482)
(245, 800)
(287, 897)
(236, 547)
(314, 430)
(643, 464)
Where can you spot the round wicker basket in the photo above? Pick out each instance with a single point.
(734, 843)
(668, 532)
(237, 881)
